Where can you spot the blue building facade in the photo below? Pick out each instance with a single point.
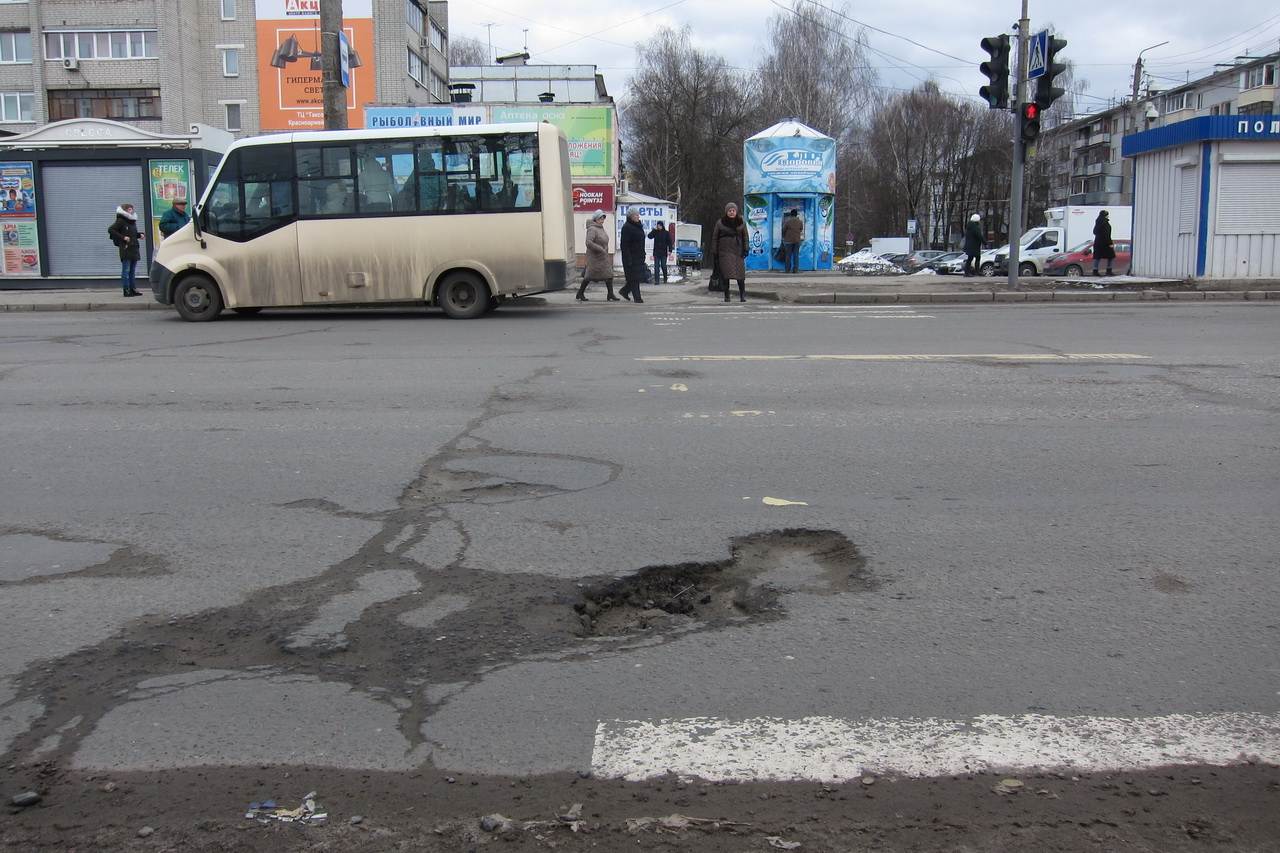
(789, 166)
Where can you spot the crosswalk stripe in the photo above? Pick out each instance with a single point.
(831, 749)
(979, 356)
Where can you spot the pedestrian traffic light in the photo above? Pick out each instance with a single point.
(996, 92)
(1030, 122)
(1046, 92)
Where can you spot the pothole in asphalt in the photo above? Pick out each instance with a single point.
(749, 586)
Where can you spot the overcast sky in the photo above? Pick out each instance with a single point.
(1103, 38)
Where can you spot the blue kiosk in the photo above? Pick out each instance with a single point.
(789, 166)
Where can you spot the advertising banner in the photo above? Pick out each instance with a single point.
(790, 164)
(18, 229)
(589, 130)
(289, 87)
(759, 224)
(384, 118)
(588, 198)
(171, 180)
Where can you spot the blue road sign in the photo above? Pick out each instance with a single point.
(1036, 55)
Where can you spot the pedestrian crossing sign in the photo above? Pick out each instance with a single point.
(1036, 58)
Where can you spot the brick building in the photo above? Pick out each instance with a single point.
(166, 65)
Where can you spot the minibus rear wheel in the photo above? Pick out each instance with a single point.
(463, 296)
(197, 299)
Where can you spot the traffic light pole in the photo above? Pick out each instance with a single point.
(1020, 87)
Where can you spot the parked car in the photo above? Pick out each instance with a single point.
(896, 259)
(947, 263)
(1079, 261)
(916, 261)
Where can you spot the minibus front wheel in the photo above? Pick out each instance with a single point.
(463, 296)
(197, 299)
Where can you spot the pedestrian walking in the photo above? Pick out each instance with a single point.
(124, 233)
(792, 237)
(972, 246)
(599, 258)
(633, 266)
(661, 238)
(729, 246)
(1103, 248)
(174, 218)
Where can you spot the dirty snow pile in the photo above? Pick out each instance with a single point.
(865, 263)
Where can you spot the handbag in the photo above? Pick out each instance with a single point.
(780, 255)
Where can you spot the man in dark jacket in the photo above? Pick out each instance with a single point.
(631, 242)
(972, 245)
(792, 237)
(174, 218)
(124, 233)
(661, 238)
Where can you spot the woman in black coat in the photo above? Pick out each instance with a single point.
(124, 233)
(1103, 248)
(633, 267)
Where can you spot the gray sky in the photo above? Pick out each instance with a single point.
(1103, 39)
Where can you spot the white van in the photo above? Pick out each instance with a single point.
(1064, 229)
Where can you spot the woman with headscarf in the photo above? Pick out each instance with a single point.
(599, 258)
(729, 247)
(633, 266)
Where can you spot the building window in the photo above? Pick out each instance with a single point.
(414, 15)
(439, 88)
(102, 44)
(230, 62)
(233, 116)
(228, 10)
(117, 104)
(415, 66)
(438, 39)
(1175, 102)
(1260, 75)
(15, 47)
(16, 106)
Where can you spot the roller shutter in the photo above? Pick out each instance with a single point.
(1249, 198)
(79, 205)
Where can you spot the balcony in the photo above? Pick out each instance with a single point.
(1102, 198)
(1256, 95)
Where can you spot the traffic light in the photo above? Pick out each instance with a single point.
(1046, 92)
(996, 92)
(1030, 122)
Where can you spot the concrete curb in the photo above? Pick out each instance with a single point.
(83, 306)
(836, 298)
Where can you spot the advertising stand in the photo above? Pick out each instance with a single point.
(789, 166)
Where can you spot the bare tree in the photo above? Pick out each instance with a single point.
(685, 118)
(465, 50)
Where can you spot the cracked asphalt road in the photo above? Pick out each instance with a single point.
(373, 542)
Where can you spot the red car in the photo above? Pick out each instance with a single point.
(1079, 261)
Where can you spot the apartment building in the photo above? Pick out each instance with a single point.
(245, 66)
(1085, 161)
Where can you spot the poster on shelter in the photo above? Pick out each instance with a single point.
(589, 130)
(170, 181)
(290, 93)
(19, 232)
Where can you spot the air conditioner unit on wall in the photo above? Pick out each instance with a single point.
(71, 63)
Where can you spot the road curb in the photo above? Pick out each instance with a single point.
(1016, 296)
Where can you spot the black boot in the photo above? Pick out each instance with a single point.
(611, 298)
(582, 292)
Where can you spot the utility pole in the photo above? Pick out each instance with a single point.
(1135, 118)
(489, 29)
(334, 93)
(1019, 148)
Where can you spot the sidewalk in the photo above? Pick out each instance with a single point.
(805, 289)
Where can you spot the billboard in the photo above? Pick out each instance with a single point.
(790, 164)
(18, 229)
(171, 180)
(588, 198)
(384, 118)
(589, 130)
(290, 94)
(650, 215)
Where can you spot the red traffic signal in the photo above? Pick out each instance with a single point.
(1031, 112)
(1030, 115)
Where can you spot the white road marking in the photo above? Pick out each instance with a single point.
(830, 749)
(982, 356)
(782, 502)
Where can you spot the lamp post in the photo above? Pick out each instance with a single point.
(1137, 79)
